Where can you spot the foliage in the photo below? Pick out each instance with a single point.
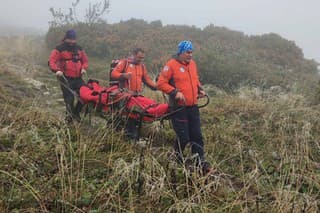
(226, 58)
(264, 146)
(94, 14)
(263, 143)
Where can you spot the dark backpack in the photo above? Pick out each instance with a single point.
(113, 64)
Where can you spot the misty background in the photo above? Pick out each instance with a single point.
(292, 19)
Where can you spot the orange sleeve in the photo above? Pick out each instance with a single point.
(118, 70)
(163, 80)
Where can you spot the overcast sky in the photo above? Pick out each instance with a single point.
(297, 20)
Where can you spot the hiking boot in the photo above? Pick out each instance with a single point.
(130, 138)
(76, 117)
(206, 168)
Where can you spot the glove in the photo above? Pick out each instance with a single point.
(83, 71)
(59, 73)
(179, 96)
(202, 93)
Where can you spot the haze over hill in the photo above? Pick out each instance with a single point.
(295, 20)
(14, 31)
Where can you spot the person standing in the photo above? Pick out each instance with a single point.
(179, 79)
(69, 62)
(132, 74)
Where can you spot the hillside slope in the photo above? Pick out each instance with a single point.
(263, 143)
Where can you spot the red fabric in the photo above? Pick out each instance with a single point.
(180, 76)
(139, 75)
(152, 110)
(94, 93)
(86, 95)
(61, 60)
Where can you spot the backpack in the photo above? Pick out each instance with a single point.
(113, 64)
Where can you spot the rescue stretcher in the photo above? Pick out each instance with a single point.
(122, 103)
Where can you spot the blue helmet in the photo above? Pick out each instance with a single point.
(184, 46)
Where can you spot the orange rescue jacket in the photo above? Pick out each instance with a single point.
(139, 75)
(183, 77)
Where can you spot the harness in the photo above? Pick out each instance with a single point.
(120, 83)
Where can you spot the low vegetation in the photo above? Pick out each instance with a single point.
(262, 141)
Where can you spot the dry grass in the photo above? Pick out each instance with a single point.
(263, 144)
(266, 155)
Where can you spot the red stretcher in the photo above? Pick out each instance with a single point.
(112, 98)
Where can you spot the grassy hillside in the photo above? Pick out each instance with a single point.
(227, 59)
(266, 153)
(264, 144)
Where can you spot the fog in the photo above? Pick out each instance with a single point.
(293, 19)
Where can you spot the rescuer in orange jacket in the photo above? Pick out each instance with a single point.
(179, 79)
(69, 62)
(131, 73)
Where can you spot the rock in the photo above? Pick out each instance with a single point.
(60, 100)
(275, 89)
(37, 84)
(5, 130)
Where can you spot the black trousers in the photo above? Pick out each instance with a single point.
(72, 109)
(132, 128)
(186, 124)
